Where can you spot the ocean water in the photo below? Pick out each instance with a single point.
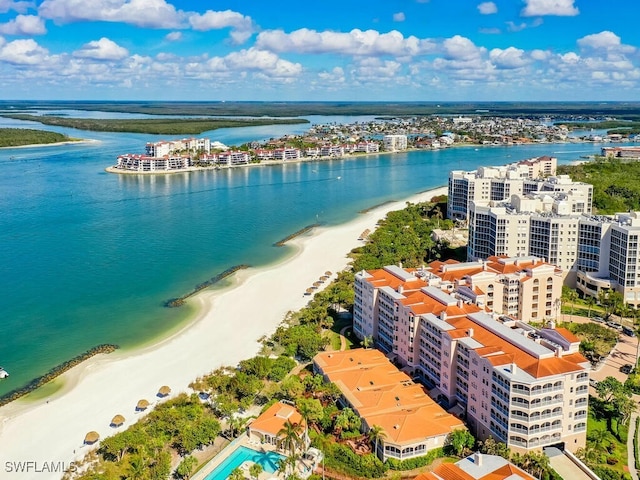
(88, 257)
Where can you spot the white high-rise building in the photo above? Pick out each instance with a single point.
(394, 143)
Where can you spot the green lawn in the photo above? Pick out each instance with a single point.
(617, 448)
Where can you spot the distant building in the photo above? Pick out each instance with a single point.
(147, 164)
(383, 396)
(621, 152)
(393, 143)
(266, 427)
(232, 158)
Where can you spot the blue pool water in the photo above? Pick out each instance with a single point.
(268, 460)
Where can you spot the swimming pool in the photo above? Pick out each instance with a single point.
(268, 460)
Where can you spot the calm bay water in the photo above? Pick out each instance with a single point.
(89, 257)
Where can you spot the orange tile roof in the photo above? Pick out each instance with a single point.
(274, 418)
(455, 471)
(507, 471)
(504, 352)
(382, 395)
(382, 278)
(567, 334)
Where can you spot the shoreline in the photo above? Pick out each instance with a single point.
(224, 329)
(54, 144)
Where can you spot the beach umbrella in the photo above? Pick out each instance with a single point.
(164, 391)
(324, 277)
(309, 291)
(327, 272)
(317, 284)
(91, 438)
(117, 421)
(142, 404)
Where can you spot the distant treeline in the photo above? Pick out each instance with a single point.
(16, 137)
(292, 109)
(155, 126)
(612, 126)
(616, 183)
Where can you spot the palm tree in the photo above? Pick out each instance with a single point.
(289, 438)
(376, 433)
(306, 411)
(590, 303)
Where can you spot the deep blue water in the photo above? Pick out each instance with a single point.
(89, 257)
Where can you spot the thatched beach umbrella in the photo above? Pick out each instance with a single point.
(309, 291)
(91, 438)
(324, 278)
(164, 391)
(117, 421)
(327, 272)
(317, 284)
(142, 404)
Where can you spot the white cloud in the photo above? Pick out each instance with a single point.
(23, 52)
(461, 48)
(563, 8)
(540, 55)
(24, 25)
(211, 20)
(604, 40)
(487, 8)
(20, 7)
(103, 49)
(252, 60)
(512, 27)
(335, 76)
(377, 70)
(508, 58)
(399, 17)
(173, 36)
(355, 42)
(143, 13)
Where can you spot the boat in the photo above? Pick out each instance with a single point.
(3, 373)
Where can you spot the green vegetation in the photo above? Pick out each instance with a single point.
(156, 126)
(403, 236)
(616, 183)
(596, 341)
(607, 430)
(626, 110)
(16, 137)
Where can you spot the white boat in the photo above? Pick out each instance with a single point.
(3, 373)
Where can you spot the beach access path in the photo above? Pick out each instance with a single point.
(225, 331)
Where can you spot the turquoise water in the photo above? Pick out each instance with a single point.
(268, 460)
(89, 257)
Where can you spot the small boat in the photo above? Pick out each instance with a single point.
(3, 373)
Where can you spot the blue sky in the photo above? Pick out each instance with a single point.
(387, 50)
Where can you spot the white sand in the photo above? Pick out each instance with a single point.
(225, 331)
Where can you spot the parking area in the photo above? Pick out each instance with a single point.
(625, 352)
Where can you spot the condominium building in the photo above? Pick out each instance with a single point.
(524, 386)
(162, 148)
(542, 224)
(147, 164)
(232, 158)
(383, 396)
(607, 256)
(393, 143)
(287, 153)
(499, 184)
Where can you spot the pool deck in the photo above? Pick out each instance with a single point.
(241, 441)
(302, 466)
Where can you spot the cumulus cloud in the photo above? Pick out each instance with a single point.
(24, 25)
(103, 49)
(143, 13)
(376, 69)
(211, 20)
(508, 58)
(604, 40)
(335, 76)
(23, 52)
(253, 60)
(537, 8)
(173, 36)
(355, 42)
(461, 48)
(399, 17)
(487, 8)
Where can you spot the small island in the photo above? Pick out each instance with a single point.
(19, 137)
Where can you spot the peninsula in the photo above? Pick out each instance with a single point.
(20, 137)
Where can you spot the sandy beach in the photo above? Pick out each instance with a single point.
(49, 433)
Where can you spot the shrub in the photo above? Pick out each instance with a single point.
(417, 462)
